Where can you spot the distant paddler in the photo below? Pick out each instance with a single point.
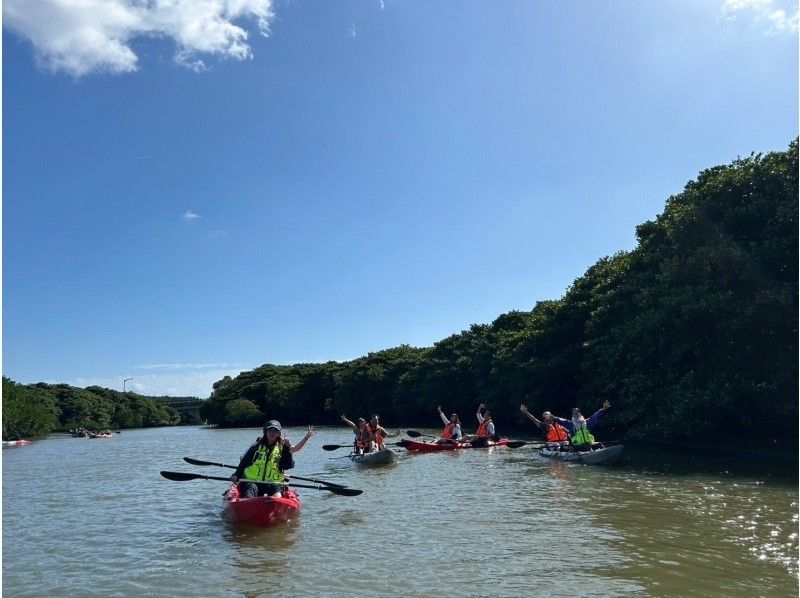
(379, 433)
(452, 428)
(579, 427)
(553, 431)
(485, 431)
(362, 441)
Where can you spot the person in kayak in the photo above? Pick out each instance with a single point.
(363, 432)
(452, 428)
(579, 428)
(553, 431)
(379, 433)
(266, 461)
(485, 431)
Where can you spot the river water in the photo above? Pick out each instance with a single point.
(93, 517)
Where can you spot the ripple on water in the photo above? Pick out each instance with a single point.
(502, 522)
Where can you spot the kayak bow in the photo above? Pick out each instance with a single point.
(261, 511)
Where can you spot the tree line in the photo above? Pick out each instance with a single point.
(34, 409)
(691, 335)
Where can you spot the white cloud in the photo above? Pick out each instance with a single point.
(773, 17)
(353, 32)
(86, 36)
(190, 215)
(381, 4)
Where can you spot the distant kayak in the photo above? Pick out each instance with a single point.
(415, 446)
(607, 454)
(261, 511)
(13, 443)
(384, 456)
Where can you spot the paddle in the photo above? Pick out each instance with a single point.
(414, 433)
(179, 476)
(296, 477)
(519, 443)
(333, 447)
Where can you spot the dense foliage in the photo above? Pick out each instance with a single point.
(35, 409)
(692, 334)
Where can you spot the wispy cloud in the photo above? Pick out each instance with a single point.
(381, 4)
(89, 36)
(190, 215)
(217, 233)
(774, 18)
(353, 31)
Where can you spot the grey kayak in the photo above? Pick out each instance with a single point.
(384, 456)
(607, 454)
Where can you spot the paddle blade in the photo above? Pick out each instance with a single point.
(413, 433)
(516, 443)
(404, 443)
(204, 463)
(333, 447)
(178, 476)
(344, 491)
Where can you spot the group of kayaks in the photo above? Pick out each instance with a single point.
(562, 452)
(266, 511)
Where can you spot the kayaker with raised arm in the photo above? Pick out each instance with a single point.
(452, 428)
(485, 431)
(552, 430)
(363, 439)
(299, 446)
(266, 461)
(379, 432)
(579, 428)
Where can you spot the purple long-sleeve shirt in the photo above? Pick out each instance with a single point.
(590, 423)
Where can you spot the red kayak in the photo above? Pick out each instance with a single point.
(415, 446)
(9, 443)
(262, 511)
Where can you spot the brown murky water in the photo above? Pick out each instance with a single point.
(94, 517)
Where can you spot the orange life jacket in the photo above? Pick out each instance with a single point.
(483, 429)
(377, 437)
(556, 433)
(448, 431)
(363, 438)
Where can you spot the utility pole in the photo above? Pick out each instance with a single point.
(123, 383)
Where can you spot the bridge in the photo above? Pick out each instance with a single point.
(186, 406)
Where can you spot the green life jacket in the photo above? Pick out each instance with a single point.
(265, 466)
(582, 436)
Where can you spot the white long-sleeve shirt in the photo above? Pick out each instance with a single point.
(456, 428)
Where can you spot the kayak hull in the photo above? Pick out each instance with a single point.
(13, 443)
(262, 511)
(415, 446)
(382, 457)
(605, 455)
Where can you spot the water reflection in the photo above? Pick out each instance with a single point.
(657, 524)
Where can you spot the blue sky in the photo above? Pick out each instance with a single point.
(182, 202)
